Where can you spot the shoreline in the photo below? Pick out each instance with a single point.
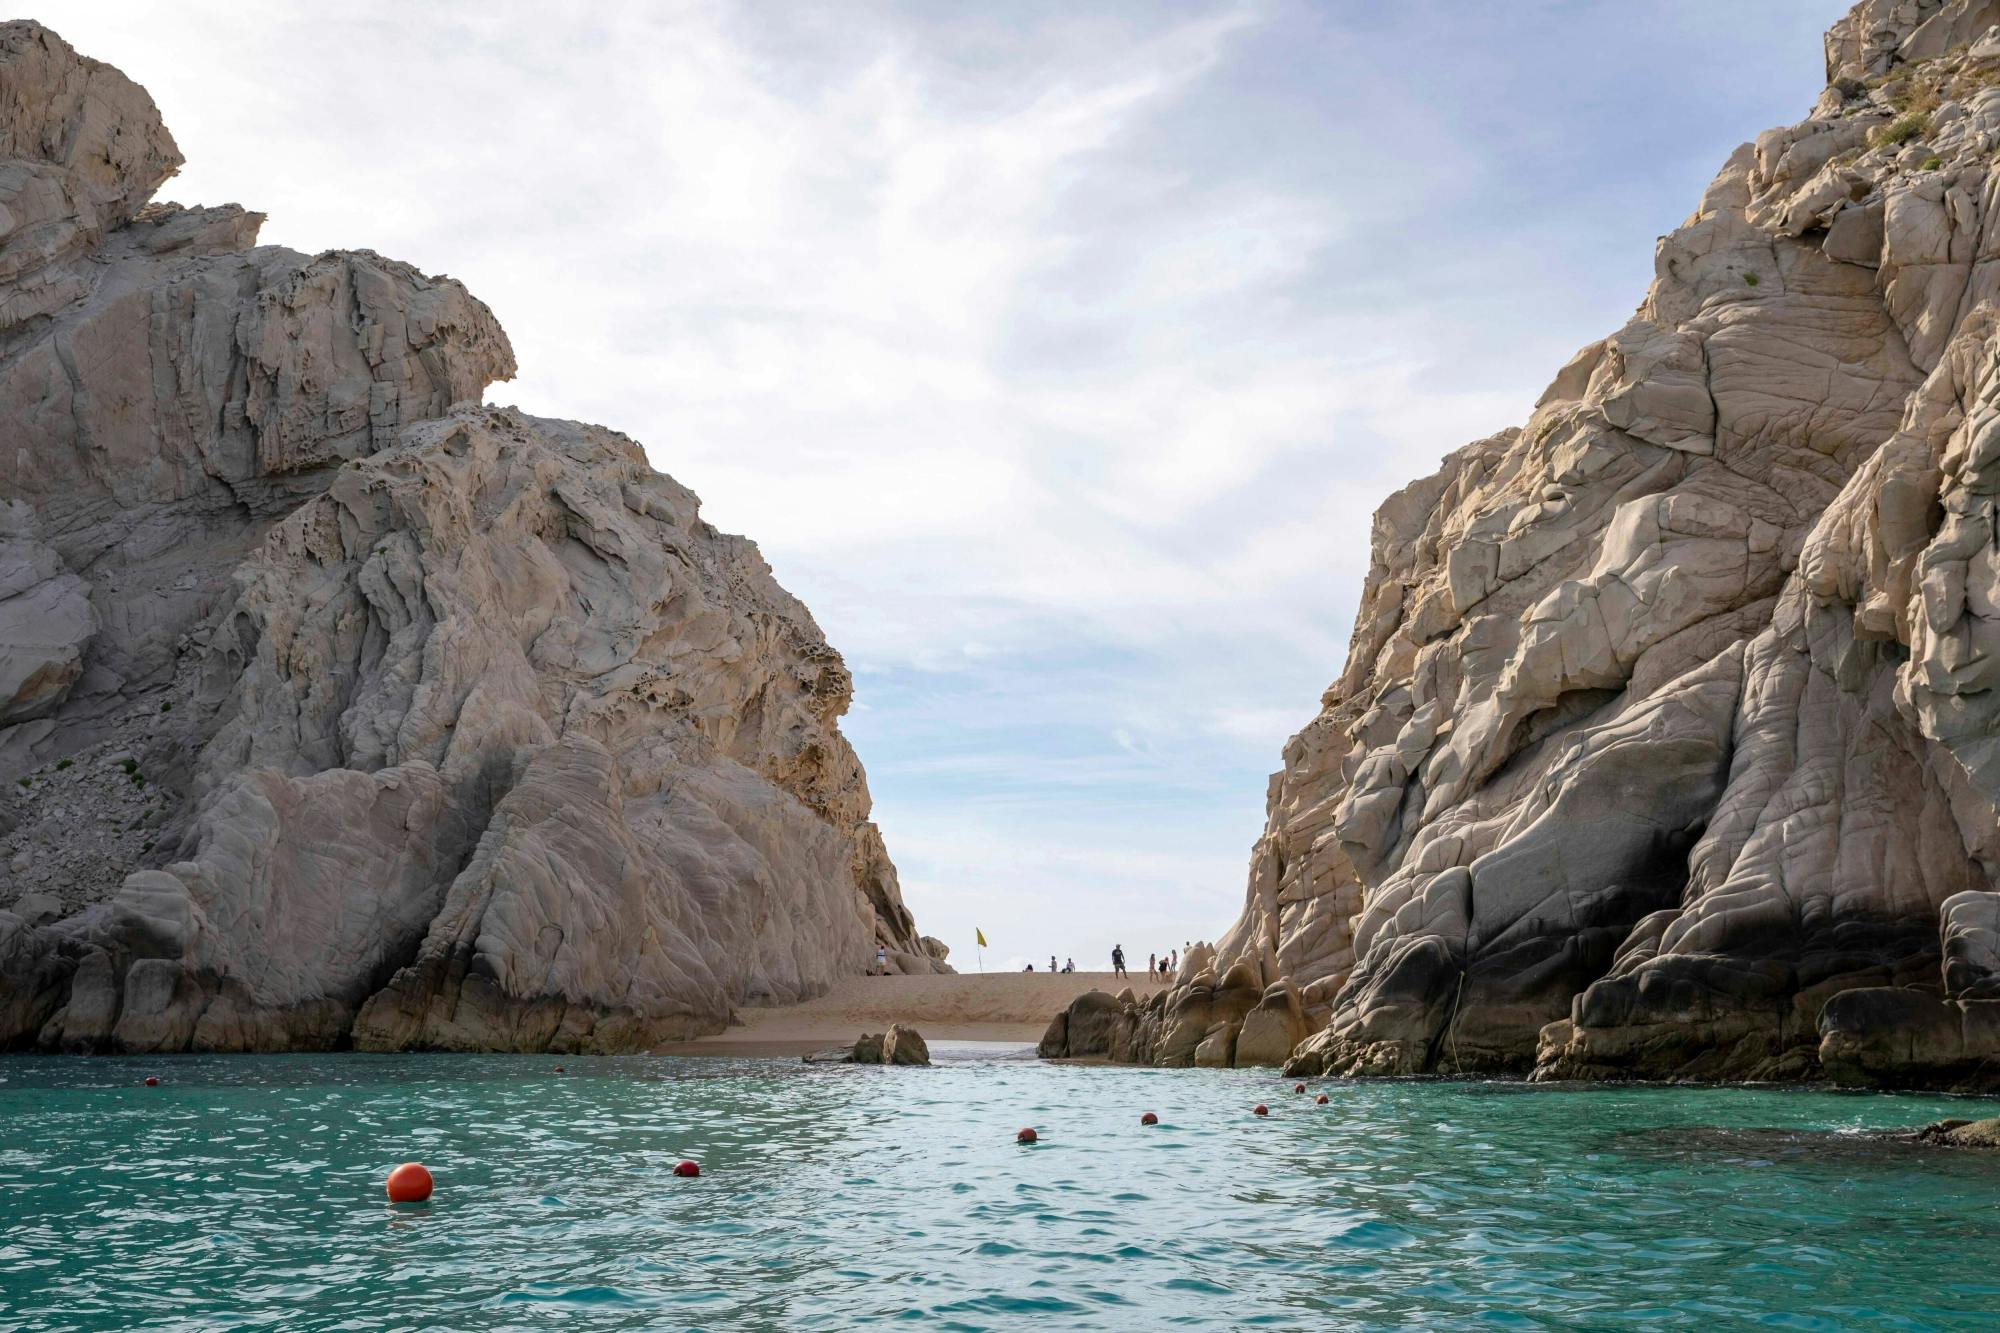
(1002, 1007)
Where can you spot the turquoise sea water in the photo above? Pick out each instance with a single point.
(246, 1192)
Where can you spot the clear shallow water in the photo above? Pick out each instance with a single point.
(246, 1192)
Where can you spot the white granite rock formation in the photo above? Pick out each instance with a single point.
(1668, 743)
(336, 707)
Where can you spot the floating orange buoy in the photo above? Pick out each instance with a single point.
(1298, 1087)
(1025, 1136)
(152, 1082)
(1260, 1109)
(1149, 1119)
(409, 1183)
(1320, 1100)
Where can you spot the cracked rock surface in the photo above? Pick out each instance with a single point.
(336, 707)
(1668, 743)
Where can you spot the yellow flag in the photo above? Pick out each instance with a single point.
(982, 936)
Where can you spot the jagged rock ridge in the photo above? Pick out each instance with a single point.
(1667, 741)
(337, 707)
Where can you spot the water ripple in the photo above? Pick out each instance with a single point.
(246, 1193)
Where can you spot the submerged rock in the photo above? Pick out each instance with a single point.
(336, 707)
(1668, 743)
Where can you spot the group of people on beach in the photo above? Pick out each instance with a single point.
(1159, 966)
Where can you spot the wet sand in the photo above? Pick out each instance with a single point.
(1013, 1007)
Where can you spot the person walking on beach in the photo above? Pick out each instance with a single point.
(1152, 965)
(1118, 960)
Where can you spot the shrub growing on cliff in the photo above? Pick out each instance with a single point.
(1900, 130)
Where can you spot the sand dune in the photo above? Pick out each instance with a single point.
(990, 1006)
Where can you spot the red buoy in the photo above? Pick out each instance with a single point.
(687, 1169)
(152, 1082)
(1298, 1087)
(409, 1183)
(1260, 1109)
(1025, 1136)
(1321, 1100)
(1149, 1119)
(559, 1069)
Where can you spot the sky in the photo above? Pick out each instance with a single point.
(1055, 354)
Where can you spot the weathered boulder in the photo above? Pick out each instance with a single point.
(1970, 943)
(1091, 1024)
(1273, 1028)
(1121, 1028)
(1962, 1133)
(336, 707)
(900, 1045)
(904, 1045)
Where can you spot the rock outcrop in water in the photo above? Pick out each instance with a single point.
(337, 707)
(901, 1044)
(1668, 743)
(1961, 1133)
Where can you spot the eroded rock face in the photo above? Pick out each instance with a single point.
(336, 707)
(1666, 745)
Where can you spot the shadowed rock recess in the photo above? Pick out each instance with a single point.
(336, 707)
(1668, 744)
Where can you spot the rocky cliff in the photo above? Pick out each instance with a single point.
(336, 707)
(1668, 743)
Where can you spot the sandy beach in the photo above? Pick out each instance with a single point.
(988, 1006)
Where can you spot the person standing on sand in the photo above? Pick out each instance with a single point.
(1052, 962)
(1118, 960)
(881, 961)
(1174, 963)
